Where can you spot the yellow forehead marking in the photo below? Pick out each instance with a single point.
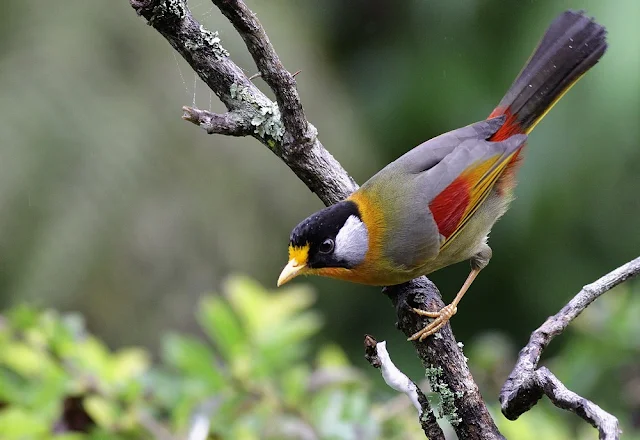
(300, 254)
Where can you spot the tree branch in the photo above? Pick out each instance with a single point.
(527, 383)
(445, 364)
(377, 355)
(271, 69)
(203, 50)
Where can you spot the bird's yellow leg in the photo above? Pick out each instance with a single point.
(443, 316)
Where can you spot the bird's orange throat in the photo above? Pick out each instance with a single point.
(376, 269)
(362, 274)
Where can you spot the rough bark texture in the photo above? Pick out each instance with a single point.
(284, 129)
(443, 352)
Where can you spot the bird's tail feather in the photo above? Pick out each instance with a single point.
(572, 45)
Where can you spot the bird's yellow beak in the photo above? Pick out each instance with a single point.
(290, 271)
(297, 264)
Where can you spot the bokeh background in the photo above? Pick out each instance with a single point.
(112, 206)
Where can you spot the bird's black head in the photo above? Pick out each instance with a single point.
(334, 237)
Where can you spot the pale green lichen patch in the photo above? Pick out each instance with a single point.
(446, 407)
(208, 39)
(267, 121)
(240, 92)
(424, 417)
(176, 8)
(213, 40)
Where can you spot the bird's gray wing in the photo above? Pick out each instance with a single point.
(431, 152)
(420, 230)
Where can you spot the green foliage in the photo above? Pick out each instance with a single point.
(247, 379)
(250, 376)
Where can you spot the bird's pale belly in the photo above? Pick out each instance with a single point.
(474, 235)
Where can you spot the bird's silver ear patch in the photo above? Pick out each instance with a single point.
(352, 241)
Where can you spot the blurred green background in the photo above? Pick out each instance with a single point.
(112, 206)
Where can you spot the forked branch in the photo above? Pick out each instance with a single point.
(527, 383)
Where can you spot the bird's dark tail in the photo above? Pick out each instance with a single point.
(572, 45)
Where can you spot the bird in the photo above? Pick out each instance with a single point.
(435, 205)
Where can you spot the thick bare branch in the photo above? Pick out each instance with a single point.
(445, 364)
(271, 69)
(527, 384)
(377, 355)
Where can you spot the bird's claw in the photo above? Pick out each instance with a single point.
(440, 319)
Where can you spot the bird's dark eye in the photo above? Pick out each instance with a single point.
(326, 246)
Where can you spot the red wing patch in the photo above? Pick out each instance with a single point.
(449, 206)
(456, 204)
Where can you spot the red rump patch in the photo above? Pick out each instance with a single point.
(449, 206)
(510, 126)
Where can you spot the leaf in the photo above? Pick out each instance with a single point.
(331, 355)
(288, 336)
(249, 301)
(23, 359)
(221, 325)
(262, 310)
(128, 364)
(17, 423)
(294, 385)
(193, 358)
(22, 317)
(104, 412)
(91, 356)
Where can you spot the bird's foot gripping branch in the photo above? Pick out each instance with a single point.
(283, 128)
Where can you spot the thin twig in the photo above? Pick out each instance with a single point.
(230, 123)
(605, 423)
(377, 355)
(258, 75)
(527, 383)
